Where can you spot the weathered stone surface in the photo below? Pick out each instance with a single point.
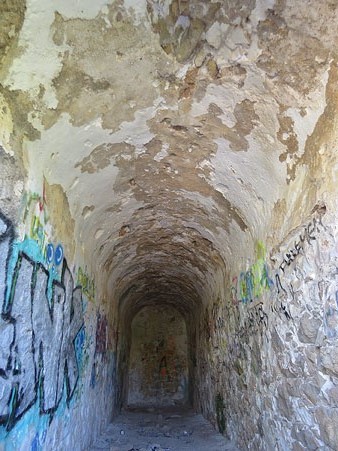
(305, 438)
(329, 361)
(181, 156)
(158, 362)
(309, 327)
(333, 396)
(11, 184)
(327, 419)
(311, 391)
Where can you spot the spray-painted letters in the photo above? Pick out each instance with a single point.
(307, 236)
(38, 332)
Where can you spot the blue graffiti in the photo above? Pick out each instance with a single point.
(41, 318)
(58, 255)
(50, 253)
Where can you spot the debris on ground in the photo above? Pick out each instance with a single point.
(161, 430)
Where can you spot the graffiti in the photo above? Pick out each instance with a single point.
(217, 318)
(307, 236)
(87, 284)
(252, 283)
(50, 253)
(34, 198)
(54, 256)
(38, 329)
(36, 211)
(214, 325)
(234, 298)
(255, 320)
(93, 376)
(284, 289)
(58, 255)
(282, 296)
(163, 368)
(38, 233)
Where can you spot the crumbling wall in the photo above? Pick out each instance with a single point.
(269, 366)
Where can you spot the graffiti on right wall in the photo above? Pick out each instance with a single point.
(292, 266)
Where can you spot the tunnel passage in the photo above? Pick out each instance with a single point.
(158, 362)
(161, 270)
(169, 154)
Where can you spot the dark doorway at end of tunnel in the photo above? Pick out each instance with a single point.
(158, 371)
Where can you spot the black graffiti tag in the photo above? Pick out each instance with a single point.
(37, 357)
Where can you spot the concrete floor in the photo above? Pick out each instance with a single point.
(161, 430)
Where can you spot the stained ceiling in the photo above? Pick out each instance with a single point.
(173, 134)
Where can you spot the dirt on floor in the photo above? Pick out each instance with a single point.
(161, 430)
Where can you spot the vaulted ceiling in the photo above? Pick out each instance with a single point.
(172, 134)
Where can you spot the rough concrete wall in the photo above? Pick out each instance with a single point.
(268, 372)
(158, 364)
(57, 364)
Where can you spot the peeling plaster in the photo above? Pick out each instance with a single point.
(169, 137)
(241, 178)
(45, 64)
(304, 124)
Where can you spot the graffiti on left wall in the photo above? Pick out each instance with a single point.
(40, 320)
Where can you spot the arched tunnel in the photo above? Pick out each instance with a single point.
(168, 220)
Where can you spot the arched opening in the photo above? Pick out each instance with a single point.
(171, 277)
(158, 371)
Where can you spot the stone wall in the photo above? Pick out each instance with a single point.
(144, 147)
(158, 365)
(57, 364)
(268, 372)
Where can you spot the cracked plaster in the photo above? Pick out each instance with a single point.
(166, 127)
(123, 126)
(90, 90)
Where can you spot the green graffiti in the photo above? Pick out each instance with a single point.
(87, 284)
(251, 284)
